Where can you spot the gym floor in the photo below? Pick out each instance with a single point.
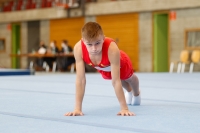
(37, 104)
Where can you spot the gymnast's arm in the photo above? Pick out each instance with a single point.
(114, 58)
(80, 81)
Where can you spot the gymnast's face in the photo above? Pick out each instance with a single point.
(94, 46)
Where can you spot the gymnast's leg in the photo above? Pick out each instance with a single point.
(132, 93)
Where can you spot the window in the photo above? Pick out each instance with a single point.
(2, 45)
(192, 39)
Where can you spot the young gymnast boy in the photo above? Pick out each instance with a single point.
(103, 54)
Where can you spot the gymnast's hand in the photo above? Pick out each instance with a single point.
(74, 113)
(126, 113)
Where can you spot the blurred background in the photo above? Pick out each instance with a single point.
(158, 35)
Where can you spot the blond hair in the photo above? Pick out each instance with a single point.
(91, 31)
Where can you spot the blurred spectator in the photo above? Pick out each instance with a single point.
(53, 49)
(65, 62)
(42, 50)
(65, 48)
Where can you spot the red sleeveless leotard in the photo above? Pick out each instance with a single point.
(126, 69)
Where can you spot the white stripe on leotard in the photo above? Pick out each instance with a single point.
(106, 69)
